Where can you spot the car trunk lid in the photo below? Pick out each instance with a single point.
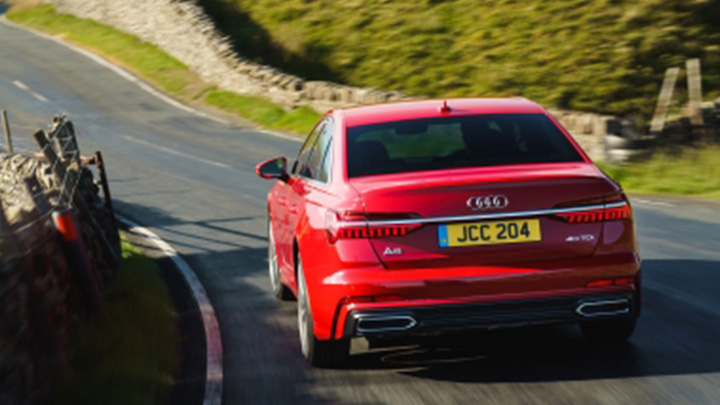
(482, 216)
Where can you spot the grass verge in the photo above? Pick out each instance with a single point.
(159, 68)
(129, 355)
(300, 120)
(677, 171)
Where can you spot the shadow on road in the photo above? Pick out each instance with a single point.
(677, 334)
(521, 355)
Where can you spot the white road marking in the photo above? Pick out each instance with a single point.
(40, 97)
(25, 87)
(176, 152)
(21, 85)
(213, 339)
(648, 202)
(119, 71)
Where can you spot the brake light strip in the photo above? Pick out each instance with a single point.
(498, 215)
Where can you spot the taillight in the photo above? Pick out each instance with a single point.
(611, 207)
(373, 232)
(597, 215)
(352, 225)
(606, 282)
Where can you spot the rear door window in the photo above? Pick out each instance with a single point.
(301, 166)
(314, 160)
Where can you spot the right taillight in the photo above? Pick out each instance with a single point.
(352, 225)
(597, 214)
(612, 207)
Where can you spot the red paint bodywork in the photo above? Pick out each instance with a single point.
(424, 276)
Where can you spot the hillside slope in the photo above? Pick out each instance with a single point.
(595, 55)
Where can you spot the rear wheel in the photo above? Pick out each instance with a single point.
(280, 291)
(331, 353)
(610, 331)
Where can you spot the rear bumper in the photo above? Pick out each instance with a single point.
(545, 293)
(424, 320)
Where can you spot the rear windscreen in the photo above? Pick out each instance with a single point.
(445, 143)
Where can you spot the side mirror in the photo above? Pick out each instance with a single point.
(275, 168)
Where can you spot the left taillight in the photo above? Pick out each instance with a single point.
(613, 207)
(353, 225)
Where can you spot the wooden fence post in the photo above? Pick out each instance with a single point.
(58, 168)
(694, 107)
(104, 182)
(694, 83)
(63, 137)
(666, 93)
(8, 138)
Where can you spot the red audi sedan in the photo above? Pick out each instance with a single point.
(429, 217)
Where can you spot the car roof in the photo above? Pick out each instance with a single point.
(413, 110)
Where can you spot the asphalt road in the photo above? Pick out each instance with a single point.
(191, 180)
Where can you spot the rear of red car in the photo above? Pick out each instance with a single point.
(477, 221)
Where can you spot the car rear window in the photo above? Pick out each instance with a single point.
(444, 143)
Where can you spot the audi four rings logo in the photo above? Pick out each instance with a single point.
(490, 202)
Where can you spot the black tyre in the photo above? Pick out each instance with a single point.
(318, 353)
(609, 331)
(279, 290)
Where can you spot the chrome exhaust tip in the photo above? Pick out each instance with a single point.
(604, 308)
(378, 323)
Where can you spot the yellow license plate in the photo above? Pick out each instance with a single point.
(490, 233)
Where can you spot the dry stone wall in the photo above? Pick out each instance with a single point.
(182, 29)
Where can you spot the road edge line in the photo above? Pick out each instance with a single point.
(117, 69)
(213, 340)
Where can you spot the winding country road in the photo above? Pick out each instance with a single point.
(191, 180)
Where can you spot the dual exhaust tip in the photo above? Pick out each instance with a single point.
(370, 324)
(384, 323)
(592, 309)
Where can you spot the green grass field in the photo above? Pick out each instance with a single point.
(129, 355)
(592, 55)
(164, 71)
(676, 172)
